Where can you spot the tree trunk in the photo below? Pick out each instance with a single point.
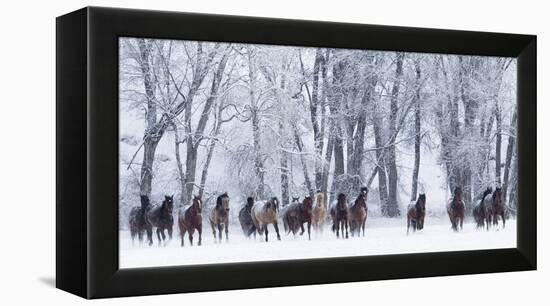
(417, 131)
(498, 116)
(509, 153)
(393, 207)
(381, 164)
(152, 134)
(300, 147)
(194, 139)
(179, 165)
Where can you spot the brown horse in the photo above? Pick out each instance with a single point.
(137, 222)
(295, 215)
(319, 212)
(190, 219)
(245, 218)
(497, 207)
(358, 213)
(339, 215)
(416, 213)
(480, 209)
(264, 213)
(160, 216)
(219, 217)
(455, 209)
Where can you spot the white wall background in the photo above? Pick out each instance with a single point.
(27, 172)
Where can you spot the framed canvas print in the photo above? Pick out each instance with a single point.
(200, 152)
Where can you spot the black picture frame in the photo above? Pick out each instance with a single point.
(87, 152)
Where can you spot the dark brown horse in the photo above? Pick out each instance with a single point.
(358, 213)
(455, 209)
(245, 218)
(416, 213)
(497, 207)
(190, 219)
(138, 224)
(160, 216)
(480, 209)
(219, 217)
(295, 215)
(339, 215)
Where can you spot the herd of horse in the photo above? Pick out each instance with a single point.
(255, 216)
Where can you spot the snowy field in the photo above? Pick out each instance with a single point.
(382, 236)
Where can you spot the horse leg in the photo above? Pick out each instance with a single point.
(170, 232)
(158, 235)
(408, 224)
(199, 230)
(182, 234)
(150, 235)
(503, 221)
(363, 226)
(190, 232)
(337, 226)
(276, 226)
(163, 236)
(213, 230)
(309, 230)
(220, 228)
(227, 230)
(265, 229)
(461, 223)
(346, 225)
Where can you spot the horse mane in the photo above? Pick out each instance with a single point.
(485, 194)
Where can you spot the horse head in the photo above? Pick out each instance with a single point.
(168, 203)
(320, 199)
(197, 204)
(497, 196)
(295, 200)
(144, 201)
(249, 202)
(421, 203)
(308, 203)
(457, 194)
(222, 203)
(341, 200)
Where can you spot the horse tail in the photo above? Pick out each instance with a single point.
(286, 224)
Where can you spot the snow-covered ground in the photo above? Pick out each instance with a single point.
(382, 236)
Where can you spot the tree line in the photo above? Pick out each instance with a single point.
(295, 120)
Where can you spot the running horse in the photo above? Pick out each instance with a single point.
(245, 218)
(339, 215)
(455, 209)
(295, 215)
(137, 222)
(358, 213)
(319, 212)
(219, 217)
(416, 212)
(498, 208)
(160, 216)
(480, 210)
(190, 219)
(265, 213)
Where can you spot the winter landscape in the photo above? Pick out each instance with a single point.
(334, 141)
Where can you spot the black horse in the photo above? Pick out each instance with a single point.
(161, 217)
(138, 224)
(245, 218)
